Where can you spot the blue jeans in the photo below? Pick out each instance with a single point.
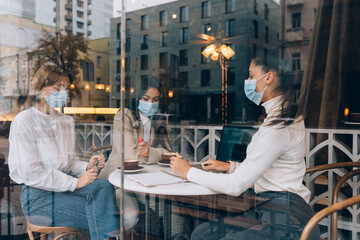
(283, 217)
(92, 207)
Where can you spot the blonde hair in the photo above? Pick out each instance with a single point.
(46, 75)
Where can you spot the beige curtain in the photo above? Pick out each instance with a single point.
(332, 78)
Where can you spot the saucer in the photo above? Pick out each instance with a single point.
(138, 169)
(162, 163)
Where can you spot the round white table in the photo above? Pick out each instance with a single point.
(178, 189)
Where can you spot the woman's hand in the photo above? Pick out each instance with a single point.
(216, 165)
(87, 177)
(143, 149)
(96, 161)
(180, 166)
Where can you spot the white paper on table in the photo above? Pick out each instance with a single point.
(155, 179)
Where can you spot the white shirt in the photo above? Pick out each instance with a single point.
(42, 151)
(274, 161)
(146, 122)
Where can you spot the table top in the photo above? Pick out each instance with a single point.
(178, 189)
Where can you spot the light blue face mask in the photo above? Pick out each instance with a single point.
(148, 108)
(249, 88)
(57, 99)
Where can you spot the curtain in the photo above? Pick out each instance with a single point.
(331, 80)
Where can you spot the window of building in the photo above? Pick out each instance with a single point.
(205, 78)
(144, 62)
(128, 45)
(230, 28)
(254, 49)
(118, 87)
(80, 25)
(118, 100)
(183, 35)
(118, 48)
(256, 29)
(184, 14)
(128, 24)
(88, 71)
(183, 79)
(296, 20)
(183, 57)
(296, 62)
(144, 82)
(163, 39)
(206, 28)
(98, 61)
(127, 83)
(204, 60)
(118, 66)
(233, 47)
(163, 18)
(98, 80)
(79, 14)
(266, 34)
(79, 3)
(256, 3)
(118, 30)
(144, 42)
(231, 76)
(229, 6)
(205, 9)
(266, 12)
(163, 60)
(127, 64)
(144, 22)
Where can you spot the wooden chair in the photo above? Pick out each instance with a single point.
(44, 231)
(335, 206)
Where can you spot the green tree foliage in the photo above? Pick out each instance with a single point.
(67, 51)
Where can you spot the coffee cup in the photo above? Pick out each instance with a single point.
(131, 164)
(166, 156)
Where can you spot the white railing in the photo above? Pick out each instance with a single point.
(199, 143)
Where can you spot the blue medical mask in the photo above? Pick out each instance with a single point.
(249, 88)
(57, 99)
(148, 108)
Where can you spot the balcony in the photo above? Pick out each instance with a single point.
(89, 22)
(68, 6)
(89, 2)
(293, 3)
(68, 27)
(68, 17)
(89, 33)
(294, 34)
(89, 12)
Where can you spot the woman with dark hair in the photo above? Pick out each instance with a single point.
(140, 124)
(274, 165)
(57, 188)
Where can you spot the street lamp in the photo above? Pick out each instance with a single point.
(223, 53)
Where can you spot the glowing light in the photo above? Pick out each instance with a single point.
(72, 86)
(100, 86)
(208, 50)
(208, 29)
(227, 51)
(87, 86)
(214, 56)
(132, 90)
(171, 94)
(107, 88)
(346, 112)
(123, 62)
(123, 89)
(174, 16)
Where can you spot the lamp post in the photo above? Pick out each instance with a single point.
(223, 53)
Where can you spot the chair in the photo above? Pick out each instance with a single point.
(43, 230)
(335, 206)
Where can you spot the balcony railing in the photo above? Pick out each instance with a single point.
(295, 34)
(201, 143)
(68, 27)
(293, 3)
(68, 6)
(68, 17)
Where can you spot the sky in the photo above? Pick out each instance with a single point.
(131, 5)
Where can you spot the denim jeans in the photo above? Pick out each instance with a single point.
(92, 207)
(283, 217)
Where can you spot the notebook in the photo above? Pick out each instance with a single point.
(156, 178)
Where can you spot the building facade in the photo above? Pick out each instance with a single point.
(162, 49)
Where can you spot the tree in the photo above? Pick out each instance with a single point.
(67, 51)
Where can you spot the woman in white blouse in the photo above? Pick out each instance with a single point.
(274, 165)
(58, 189)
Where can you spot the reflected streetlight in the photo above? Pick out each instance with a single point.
(171, 94)
(222, 53)
(72, 86)
(87, 86)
